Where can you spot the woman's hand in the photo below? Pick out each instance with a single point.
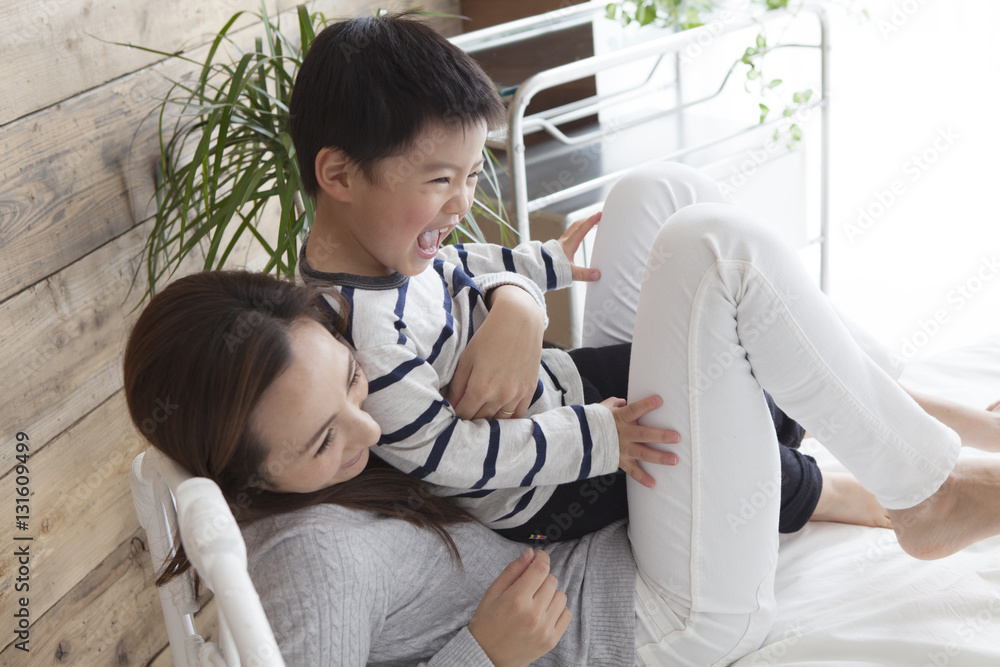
(631, 437)
(497, 373)
(570, 242)
(522, 615)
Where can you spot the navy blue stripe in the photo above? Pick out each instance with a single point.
(437, 452)
(398, 312)
(460, 280)
(550, 271)
(492, 452)
(463, 257)
(348, 294)
(473, 297)
(588, 443)
(449, 324)
(539, 388)
(555, 381)
(473, 494)
(508, 259)
(395, 375)
(540, 447)
(426, 418)
(521, 504)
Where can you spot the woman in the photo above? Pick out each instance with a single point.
(725, 309)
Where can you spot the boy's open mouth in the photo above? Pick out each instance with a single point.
(430, 241)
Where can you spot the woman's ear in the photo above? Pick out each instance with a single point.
(334, 174)
(259, 483)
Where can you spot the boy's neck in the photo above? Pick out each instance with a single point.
(332, 249)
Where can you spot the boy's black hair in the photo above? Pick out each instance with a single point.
(369, 86)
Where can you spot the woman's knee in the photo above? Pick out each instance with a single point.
(670, 185)
(723, 227)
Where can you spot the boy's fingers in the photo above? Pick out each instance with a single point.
(574, 233)
(579, 229)
(633, 470)
(584, 274)
(657, 435)
(637, 409)
(650, 455)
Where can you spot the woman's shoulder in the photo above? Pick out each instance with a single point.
(317, 526)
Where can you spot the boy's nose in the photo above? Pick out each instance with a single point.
(461, 203)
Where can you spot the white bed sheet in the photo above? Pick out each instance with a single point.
(848, 595)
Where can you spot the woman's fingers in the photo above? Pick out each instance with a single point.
(510, 574)
(533, 577)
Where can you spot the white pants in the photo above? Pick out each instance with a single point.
(724, 309)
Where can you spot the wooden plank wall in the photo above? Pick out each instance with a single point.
(75, 182)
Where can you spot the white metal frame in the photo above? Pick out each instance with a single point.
(520, 125)
(165, 496)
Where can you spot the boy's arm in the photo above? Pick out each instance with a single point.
(496, 374)
(547, 265)
(423, 436)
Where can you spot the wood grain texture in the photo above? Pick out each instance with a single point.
(80, 506)
(55, 49)
(63, 342)
(110, 618)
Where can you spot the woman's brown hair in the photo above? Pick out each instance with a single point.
(207, 347)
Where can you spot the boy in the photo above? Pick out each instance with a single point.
(389, 121)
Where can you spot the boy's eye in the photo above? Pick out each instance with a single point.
(475, 174)
(444, 180)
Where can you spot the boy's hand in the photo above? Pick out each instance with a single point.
(497, 373)
(522, 615)
(570, 242)
(631, 437)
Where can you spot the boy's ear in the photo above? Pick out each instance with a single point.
(334, 173)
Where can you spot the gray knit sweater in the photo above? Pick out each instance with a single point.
(348, 588)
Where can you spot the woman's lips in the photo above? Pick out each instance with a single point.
(352, 461)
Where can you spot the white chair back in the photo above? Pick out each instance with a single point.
(165, 496)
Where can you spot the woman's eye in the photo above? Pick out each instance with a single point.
(326, 443)
(357, 374)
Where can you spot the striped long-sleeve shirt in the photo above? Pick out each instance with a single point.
(409, 333)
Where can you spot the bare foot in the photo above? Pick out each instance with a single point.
(844, 500)
(965, 510)
(977, 428)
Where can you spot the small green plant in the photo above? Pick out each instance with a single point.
(226, 154)
(687, 14)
